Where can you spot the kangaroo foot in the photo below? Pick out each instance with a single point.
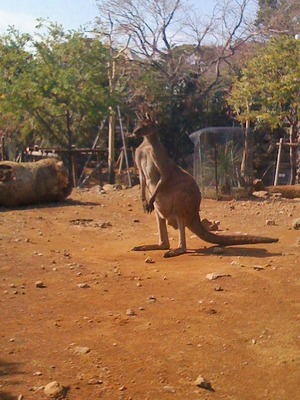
(148, 247)
(175, 252)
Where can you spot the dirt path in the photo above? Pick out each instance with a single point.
(148, 329)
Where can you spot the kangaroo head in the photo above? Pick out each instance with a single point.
(145, 127)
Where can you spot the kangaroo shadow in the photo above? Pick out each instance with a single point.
(234, 251)
(9, 369)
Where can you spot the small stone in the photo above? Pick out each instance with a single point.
(260, 193)
(130, 312)
(203, 383)
(169, 389)
(55, 390)
(296, 224)
(37, 373)
(218, 289)
(151, 299)
(20, 397)
(215, 275)
(83, 285)
(95, 381)
(253, 341)
(149, 260)
(39, 284)
(79, 350)
(258, 268)
(270, 222)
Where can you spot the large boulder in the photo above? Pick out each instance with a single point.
(33, 182)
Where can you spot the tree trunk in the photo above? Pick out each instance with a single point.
(247, 162)
(111, 147)
(30, 183)
(293, 154)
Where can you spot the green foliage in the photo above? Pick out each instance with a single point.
(54, 86)
(268, 90)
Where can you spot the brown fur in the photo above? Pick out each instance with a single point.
(174, 196)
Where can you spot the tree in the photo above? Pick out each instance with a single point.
(269, 89)
(56, 86)
(174, 78)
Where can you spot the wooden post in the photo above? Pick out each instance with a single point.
(216, 167)
(111, 147)
(2, 149)
(124, 147)
(278, 162)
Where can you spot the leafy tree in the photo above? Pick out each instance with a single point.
(179, 81)
(269, 90)
(55, 86)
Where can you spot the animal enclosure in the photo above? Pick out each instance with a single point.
(218, 155)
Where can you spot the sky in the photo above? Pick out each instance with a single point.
(22, 14)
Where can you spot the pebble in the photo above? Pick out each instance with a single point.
(296, 224)
(270, 222)
(169, 388)
(130, 312)
(79, 350)
(151, 299)
(39, 284)
(258, 267)
(215, 275)
(203, 383)
(149, 260)
(218, 289)
(55, 390)
(83, 285)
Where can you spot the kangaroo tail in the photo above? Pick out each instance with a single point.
(198, 229)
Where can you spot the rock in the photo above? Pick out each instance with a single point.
(39, 284)
(83, 285)
(218, 289)
(55, 390)
(270, 222)
(79, 350)
(130, 312)
(149, 260)
(296, 224)
(215, 275)
(20, 397)
(203, 383)
(169, 389)
(258, 267)
(151, 299)
(260, 194)
(210, 225)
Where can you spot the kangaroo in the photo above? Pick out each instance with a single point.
(174, 196)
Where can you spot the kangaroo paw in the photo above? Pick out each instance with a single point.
(147, 247)
(174, 253)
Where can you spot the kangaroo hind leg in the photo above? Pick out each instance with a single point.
(181, 249)
(163, 240)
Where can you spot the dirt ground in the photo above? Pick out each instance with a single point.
(139, 330)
